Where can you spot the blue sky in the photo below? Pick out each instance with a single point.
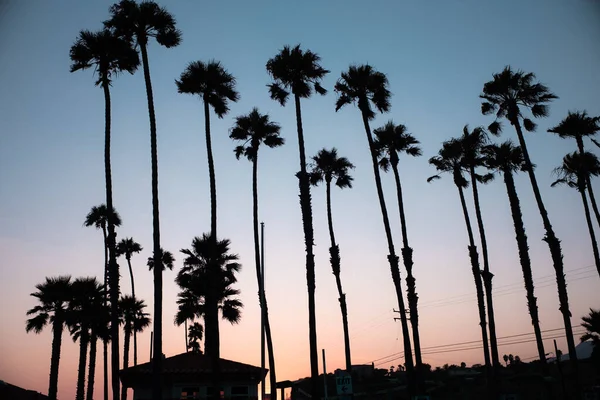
(437, 56)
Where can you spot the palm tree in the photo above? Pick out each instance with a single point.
(253, 130)
(449, 160)
(591, 323)
(127, 247)
(98, 217)
(99, 325)
(578, 125)
(505, 96)
(196, 332)
(575, 172)
(327, 166)
(508, 159)
(368, 88)
(133, 318)
(109, 55)
(138, 23)
(390, 141)
(86, 300)
(299, 72)
(472, 144)
(187, 310)
(53, 298)
(166, 260)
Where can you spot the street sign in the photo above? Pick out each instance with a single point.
(343, 384)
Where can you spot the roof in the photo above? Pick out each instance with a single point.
(8, 391)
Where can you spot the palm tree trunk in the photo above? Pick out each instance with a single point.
(588, 219)
(515, 209)
(486, 275)
(105, 341)
(474, 257)
(92, 367)
(126, 340)
(157, 359)
(407, 252)
(555, 250)
(334, 252)
(83, 344)
(588, 182)
(393, 261)
(57, 329)
(307, 224)
(187, 346)
(133, 294)
(113, 267)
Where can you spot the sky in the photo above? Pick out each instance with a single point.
(437, 56)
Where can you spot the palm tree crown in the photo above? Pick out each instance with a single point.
(577, 125)
(53, 296)
(505, 157)
(327, 165)
(98, 217)
(86, 305)
(576, 169)
(390, 141)
(127, 247)
(449, 159)
(132, 314)
(253, 129)
(167, 260)
(591, 323)
(196, 332)
(365, 86)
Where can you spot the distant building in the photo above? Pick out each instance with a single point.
(188, 376)
(12, 392)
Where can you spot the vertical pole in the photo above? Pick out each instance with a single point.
(262, 312)
(151, 341)
(560, 374)
(186, 337)
(324, 375)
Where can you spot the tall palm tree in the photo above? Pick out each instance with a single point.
(472, 144)
(327, 166)
(391, 140)
(99, 329)
(133, 318)
(449, 160)
(53, 299)
(127, 247)
(299, 72)
(166, 260)
(138, 23)
(508, 159)
(577, 125)
(196, 332)
(368, 88)
(253, 130)
(86, 300)
(98, 218)
(575, 172)
(506, 96)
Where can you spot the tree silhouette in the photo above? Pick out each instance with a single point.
(53, 298)
(575, 171)
(99, 324)
(327, 166)
(166, 260)
(300, 72)
(449, 160)
(253, 130)
(591, 323)
(390, 141)
(508, 159)
(196, 332)
(506, 96)
(137, 23)
(368, 88)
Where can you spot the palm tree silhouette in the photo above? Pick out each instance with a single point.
(127, 247)
(134, 319)
(196, 332)
(109, 55)
(86, 299)
(508, 159)
(505, 96)
(53, 299)
(166, 260)
(367, 87)
(187, 310)
(327, 166)
(138, 23)
(253, 130)
(591, 323)
(391, 140)
(99, 324)
(449, 160)
(300, 72)
(472, 143)
(575, 171)
(577, 125)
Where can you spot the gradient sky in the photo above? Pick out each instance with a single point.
(437, 56)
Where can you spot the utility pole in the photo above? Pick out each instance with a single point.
(324, 376)
(261, 290)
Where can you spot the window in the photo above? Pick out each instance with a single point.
(190, 393)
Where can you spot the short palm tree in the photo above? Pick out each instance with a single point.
(196, 332)
(299, 72)
(99, 329)
(368, 88)
(166, 260)
(139, 22)
(253, 130)
(127, 247)
(577, 125)
(133, 318)
(328, 167)
(508, 159)
(390, 141)
(187, 310)
(53, 299)
(86, 300)
(449, 160)
(591, 323)
(507, 95)
(98, 218)
(575, 171)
